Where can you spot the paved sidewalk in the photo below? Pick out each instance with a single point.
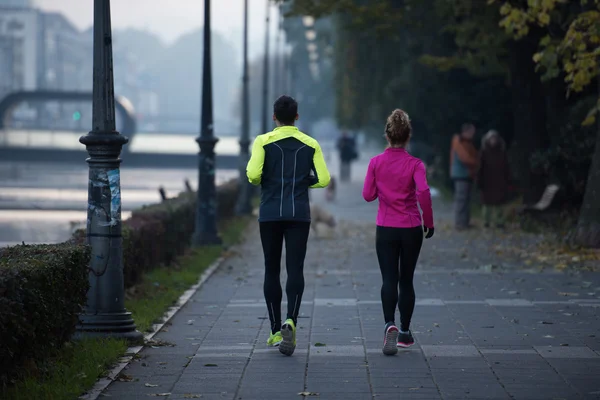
(481, 332)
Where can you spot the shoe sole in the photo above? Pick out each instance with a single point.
(404, 345)
(391, 338)
(287, 346)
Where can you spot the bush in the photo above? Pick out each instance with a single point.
(42, 290)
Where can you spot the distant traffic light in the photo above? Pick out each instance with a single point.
(76, 116)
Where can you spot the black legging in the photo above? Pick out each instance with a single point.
(398, 245)
(272, 235)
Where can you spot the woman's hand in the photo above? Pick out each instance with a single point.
(428, 232)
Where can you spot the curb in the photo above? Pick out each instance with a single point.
(103, 383)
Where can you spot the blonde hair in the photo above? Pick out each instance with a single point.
(485, 141)
(398, 129)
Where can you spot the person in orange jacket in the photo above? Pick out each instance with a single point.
(464, 159)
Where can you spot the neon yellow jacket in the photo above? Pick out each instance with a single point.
(285, 163)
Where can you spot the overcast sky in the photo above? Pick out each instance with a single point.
(169, 19)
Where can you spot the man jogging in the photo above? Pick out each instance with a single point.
(285, 163)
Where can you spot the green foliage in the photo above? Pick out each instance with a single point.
(68, 372)
(573, 52)
(42, 290)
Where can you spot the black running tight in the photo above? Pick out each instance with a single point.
(272, 235)
(398, 251)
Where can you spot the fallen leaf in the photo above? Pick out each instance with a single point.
(124, 378)
(150, 385)
(436, 324)
(319, 344)
(306, 394)
(158, 343)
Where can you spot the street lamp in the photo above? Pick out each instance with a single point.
(277, 59)
(206, 210)
(105, 314)
(265, 106)
(244, 206)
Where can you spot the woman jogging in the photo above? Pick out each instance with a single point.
(398, 180)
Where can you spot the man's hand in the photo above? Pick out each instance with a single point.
(428, 232)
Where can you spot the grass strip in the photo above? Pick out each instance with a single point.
(76, 367)
(162, 287)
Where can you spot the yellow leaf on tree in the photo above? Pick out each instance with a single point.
(544, 19)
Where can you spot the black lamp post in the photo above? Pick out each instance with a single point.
(105, 314)
(265, 105)
(206, 210)
(277, 60)
(244, 205)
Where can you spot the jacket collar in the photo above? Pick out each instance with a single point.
(396, 149)
(285, 129)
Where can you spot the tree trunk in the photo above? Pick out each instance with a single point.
(588, 227)
(529, 114)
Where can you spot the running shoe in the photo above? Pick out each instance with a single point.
(390, 339)
(274, 339)
(288, 332)
(405, 339)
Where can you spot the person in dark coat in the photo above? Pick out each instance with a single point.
(346, 146)
(493, 178)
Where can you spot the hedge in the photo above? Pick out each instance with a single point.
(43, 287)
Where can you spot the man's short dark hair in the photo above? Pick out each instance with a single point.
(285, 109)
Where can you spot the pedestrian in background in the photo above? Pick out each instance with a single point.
(463, 167)
(346, 146)
(493, 178)
(399, 181)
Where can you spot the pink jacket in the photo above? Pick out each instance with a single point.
(399, 180)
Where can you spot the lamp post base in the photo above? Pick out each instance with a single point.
(112, 325)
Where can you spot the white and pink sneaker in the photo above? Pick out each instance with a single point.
(390, 340)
